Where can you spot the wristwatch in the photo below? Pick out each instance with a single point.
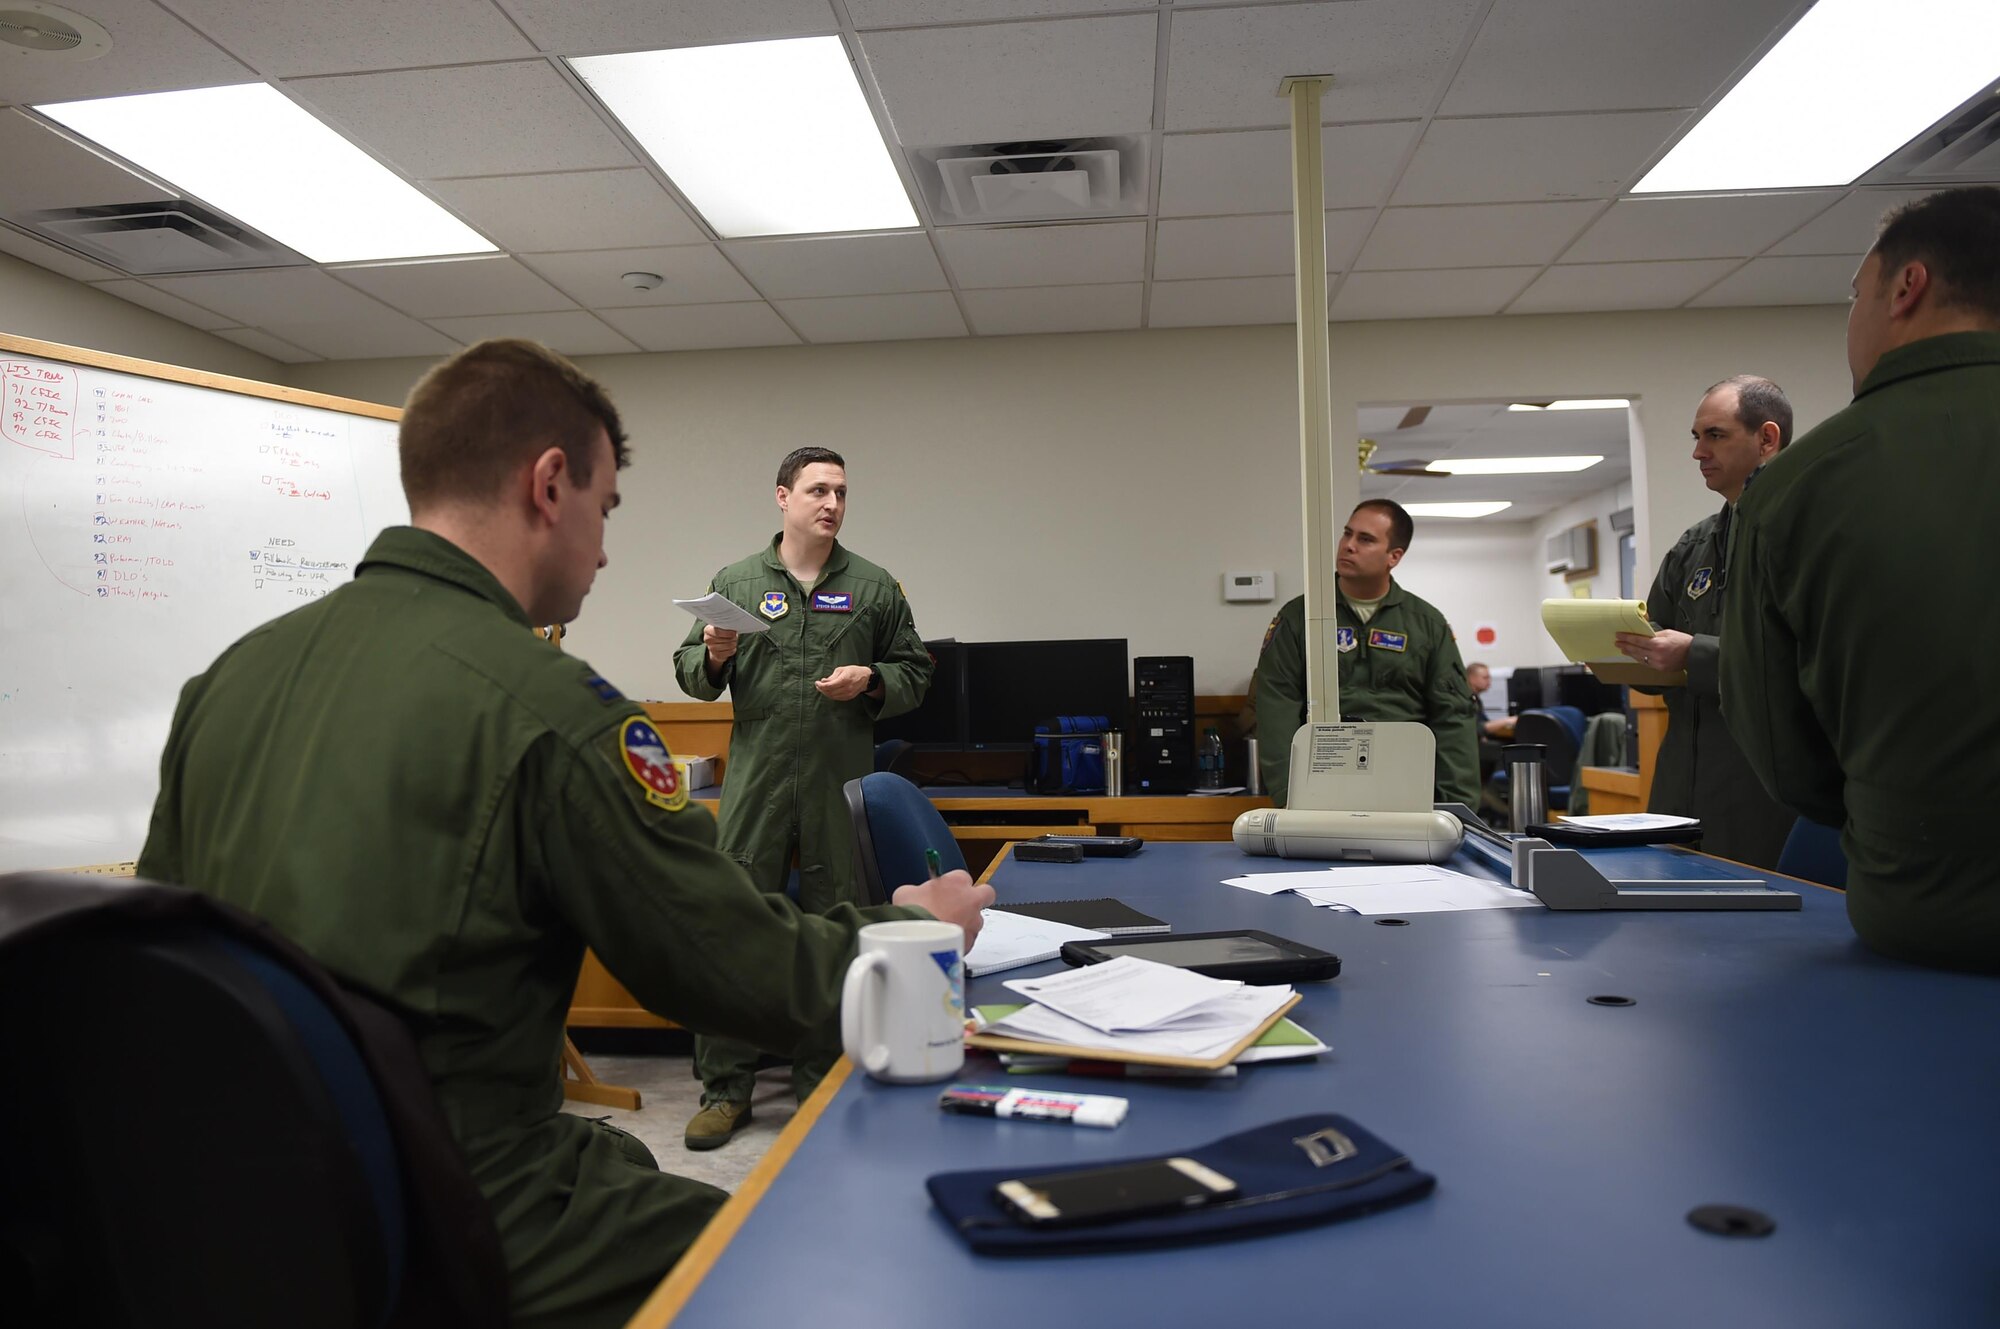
(874, 679)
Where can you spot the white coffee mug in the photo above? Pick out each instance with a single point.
(902, 1011)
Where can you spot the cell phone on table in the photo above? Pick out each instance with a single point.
(1099, 1195)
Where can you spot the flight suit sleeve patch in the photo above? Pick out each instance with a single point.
(602, 686)
(1269, 633)
(646, 760)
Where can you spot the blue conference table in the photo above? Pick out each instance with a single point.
(1768, 1061)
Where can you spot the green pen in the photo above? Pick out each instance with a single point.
(934, 863)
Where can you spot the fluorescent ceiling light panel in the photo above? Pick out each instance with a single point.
(249, 151)
(1462, 510)
(1579, 404)
(1511, 465)
(1819, 109)
(764, 138)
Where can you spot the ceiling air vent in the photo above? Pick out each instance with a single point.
(149, 239)
(1038, 180)
(1962, 148)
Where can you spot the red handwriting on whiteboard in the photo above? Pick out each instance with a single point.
(38, 407)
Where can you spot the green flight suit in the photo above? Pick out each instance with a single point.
(445, 811)
(791, 749)
(1858, 678)
(1403, 664)
(1701, 771)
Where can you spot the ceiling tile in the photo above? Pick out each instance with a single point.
(1011, 310)
(1438, 294)
(694, 275)
(875, 317)
(583, 210)
(1848, 227)
(571, 333)
(45, 170)
(911, 13)
(1222, 174)
(256, 339)
(702, 327)
(1662, 228)
(151, 51)
(1223, 302)
(1551, 55)
(1248, 246)
(1819, 280)
(340, 36)
(1588, 286)
(1534, 157)
(1486, 235)
(472, 120)
(456, 287)
(311, 310)
(569, 28)
(1045, 255)
(161, 303)
(839, 265)
(1387, 58)
(52, 257)
(1008, 81)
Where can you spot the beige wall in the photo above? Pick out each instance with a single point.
(1101, 483)
(35, 302)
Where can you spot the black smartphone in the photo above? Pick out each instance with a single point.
(1098, 846)
(1028, 851)
(1099, 1195)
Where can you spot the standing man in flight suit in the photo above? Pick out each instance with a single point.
(841, 653)
(1741, 424)
(444, 812)
(1398, 660)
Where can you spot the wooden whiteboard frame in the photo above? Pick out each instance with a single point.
(200, 378)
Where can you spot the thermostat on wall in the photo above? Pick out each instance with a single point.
(1249, 585)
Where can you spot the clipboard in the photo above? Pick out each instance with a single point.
(1003, 1043)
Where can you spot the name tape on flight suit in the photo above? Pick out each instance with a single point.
(1381, 639)
(833, 602)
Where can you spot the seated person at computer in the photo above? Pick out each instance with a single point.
(1398, 660)
(1478, 678)
(445, 811)
(1740, 425)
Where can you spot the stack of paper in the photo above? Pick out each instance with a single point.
(1386, 889)
(1134, 1006)
(1587, 631)
(1008, 941)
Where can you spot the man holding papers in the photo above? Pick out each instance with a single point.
(840, 651)
(1860, 641)
(1741, 423)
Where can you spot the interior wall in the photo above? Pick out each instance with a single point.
(1480, 575)
(1601, 584)
(35, 302)
(1101, 483)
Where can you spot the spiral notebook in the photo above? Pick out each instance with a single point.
(1114, 918)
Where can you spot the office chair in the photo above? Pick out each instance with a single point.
(217, 1133)
(1812, 851)
(893, 824)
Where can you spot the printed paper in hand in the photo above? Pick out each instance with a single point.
(719, 609)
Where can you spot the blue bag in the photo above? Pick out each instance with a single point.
(1069, 755)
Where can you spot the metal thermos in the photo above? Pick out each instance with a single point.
(1114, 765)
(1253, 775)
(1527, 784)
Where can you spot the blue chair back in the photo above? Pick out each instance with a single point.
(894, 822)
(1561, 738)
(1812, 852)
(1572, 718)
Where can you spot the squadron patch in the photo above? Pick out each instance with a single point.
(773, 605)
(1381, 639)
(833, 602)
(1699, 583)
(646, 757)
(1344, 640)
(1269, 633)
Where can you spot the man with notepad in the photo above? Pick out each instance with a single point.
(1742, 423)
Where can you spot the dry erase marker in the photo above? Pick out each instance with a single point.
(985, 1100)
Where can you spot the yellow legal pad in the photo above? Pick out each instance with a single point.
(1587, 631)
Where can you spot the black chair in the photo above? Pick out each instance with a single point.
(1812, 852)
(894, 822)
(207, 1130)
(1562, 741)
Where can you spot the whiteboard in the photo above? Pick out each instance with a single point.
(150, 516)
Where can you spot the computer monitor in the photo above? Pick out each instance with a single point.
(938, 722)
(1011, 685)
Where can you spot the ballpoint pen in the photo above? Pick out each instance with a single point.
(934, 863)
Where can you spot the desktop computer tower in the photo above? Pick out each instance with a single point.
(1160, 752)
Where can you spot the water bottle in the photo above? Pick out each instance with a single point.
(1114, 764)
(1253, 774)
(1527, 784)
(1211, 759)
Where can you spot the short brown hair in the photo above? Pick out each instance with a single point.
(1401, 529)
(1759, 402)
(799, 458)
(1955, 234)
(476, 418)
